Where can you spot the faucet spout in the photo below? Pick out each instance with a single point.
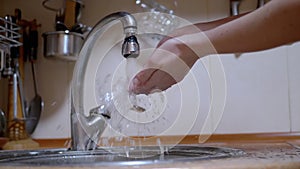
(85, 129)
(130, 47)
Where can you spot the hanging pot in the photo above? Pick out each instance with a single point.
(63, 45)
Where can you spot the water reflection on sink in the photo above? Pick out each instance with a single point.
(112, 156)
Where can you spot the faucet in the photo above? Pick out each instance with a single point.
(96, 121)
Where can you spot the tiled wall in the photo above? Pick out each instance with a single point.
(293, 52)
(262, 93)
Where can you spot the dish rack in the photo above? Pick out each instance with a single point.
(9, 35)
(9, 68)
(9, 32)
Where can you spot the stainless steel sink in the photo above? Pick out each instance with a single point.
(115, 156)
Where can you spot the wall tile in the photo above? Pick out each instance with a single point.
(192, 10)
(257, 93)
(200, 71)
(53, 84)
(217, 9)
(247, 98)
(294, 83)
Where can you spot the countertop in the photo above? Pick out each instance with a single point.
(258, 155)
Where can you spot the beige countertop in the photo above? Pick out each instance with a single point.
(258, 155)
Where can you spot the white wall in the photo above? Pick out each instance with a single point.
(262, 93)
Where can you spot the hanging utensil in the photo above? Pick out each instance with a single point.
(35, 107)
(70, 15)
(78, 8)
(59, 8)
(60, 26)
(2, 123)
(36, 104)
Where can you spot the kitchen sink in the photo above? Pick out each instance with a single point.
(112, 156)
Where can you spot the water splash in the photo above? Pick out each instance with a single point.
(132, 116)
(160, 18)
(132, 68)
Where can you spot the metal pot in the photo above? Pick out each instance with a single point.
(63, 45)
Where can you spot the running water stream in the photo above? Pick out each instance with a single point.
(132, 68)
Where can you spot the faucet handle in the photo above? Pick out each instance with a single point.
(130, 47)
(100, 110)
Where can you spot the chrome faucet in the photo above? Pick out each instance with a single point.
(96, 122)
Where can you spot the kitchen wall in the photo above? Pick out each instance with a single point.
(261, 87)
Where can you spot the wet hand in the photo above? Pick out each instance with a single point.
(151, 80)
(168, 65)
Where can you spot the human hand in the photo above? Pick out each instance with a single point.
(168, 65)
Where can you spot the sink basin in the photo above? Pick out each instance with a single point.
(112, 156)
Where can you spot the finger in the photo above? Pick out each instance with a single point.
(153, 80)
(140, 81)
(159, 81)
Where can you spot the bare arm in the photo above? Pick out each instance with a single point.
(275, 24)
(199, 27)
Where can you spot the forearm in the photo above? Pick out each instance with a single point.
(275, 24)
(213, 24)
(199, 27)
